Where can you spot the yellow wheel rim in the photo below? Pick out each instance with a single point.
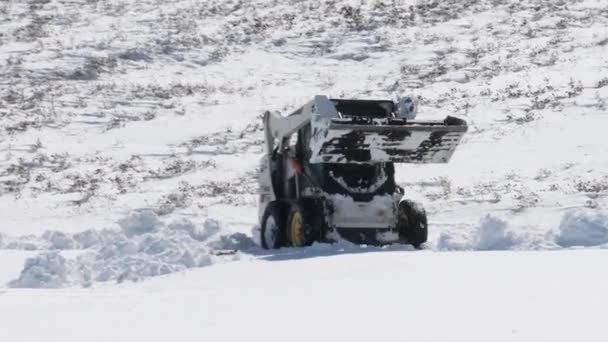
(296, 230)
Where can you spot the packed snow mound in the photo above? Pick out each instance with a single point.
(59, 240)
(47, 270)
(144, 247)
(583, 227)
(494, 235)
(145, 221)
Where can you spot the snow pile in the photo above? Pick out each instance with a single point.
(583, 227)
(492, 233)
(145, 221)
(144, 247)
(26, 243)
(59, 240)
(578, 227)
(47, 270)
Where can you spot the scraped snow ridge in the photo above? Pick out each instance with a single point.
(494, 233)
(145, 246)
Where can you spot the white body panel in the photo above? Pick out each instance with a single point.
(380, 212)
(265, 187)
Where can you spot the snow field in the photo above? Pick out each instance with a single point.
(480, 296)
(130, 134)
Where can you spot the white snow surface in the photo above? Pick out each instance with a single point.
(131, 133)
(382, 295)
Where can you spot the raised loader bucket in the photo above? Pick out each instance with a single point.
(362, 140)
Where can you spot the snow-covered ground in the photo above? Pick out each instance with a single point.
(130, 134)
(374, 296)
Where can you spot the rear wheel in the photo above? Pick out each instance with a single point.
(273, 226)
(413, 226)
(302, 224)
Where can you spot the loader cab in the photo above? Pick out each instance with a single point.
(359, 181)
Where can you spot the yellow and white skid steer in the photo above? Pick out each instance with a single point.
(329, 169)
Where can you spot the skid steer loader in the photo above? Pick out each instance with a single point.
(329, 171)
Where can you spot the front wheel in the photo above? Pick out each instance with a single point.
(303, 223)
(273, 226)
(413, 226)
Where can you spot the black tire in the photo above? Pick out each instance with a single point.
(272, 230)
(413, 226)
(309, 227)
